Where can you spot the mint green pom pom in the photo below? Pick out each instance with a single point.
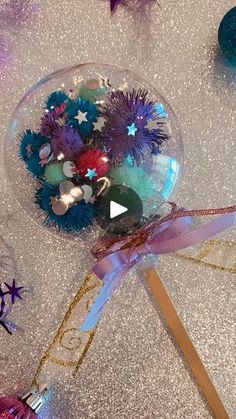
(135, 178)
(54, 173)
(91, 95)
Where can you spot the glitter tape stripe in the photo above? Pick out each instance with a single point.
(69, 346)
(217, 254)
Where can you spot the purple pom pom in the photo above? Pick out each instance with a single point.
(66, 141)
(126, 131)
(49, 124)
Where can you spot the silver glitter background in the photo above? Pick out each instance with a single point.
(133, 368)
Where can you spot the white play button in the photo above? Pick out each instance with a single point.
(116, 209)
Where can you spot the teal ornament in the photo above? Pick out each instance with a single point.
(136, 178)
(227, 35)
(54, 173)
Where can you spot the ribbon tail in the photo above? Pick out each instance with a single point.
(202, 233)
(95, 313)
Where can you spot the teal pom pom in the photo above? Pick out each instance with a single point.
(73, 107)
(33, 139)
(54, 173)
(30, 142)
(56, 99)
(78, 217)
(135, 178)
(33, 165)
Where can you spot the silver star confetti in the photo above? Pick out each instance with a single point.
(81, 117)
(99, 124)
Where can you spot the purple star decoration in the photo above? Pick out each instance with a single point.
(13, 292)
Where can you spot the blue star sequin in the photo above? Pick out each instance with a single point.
(132, 129)
(129, 160)
(91, 173)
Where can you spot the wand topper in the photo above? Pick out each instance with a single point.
(90, 138)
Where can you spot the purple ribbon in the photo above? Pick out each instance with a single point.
(174, 232)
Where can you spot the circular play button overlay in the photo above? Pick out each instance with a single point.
(120, 210)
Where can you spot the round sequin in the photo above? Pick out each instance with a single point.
(88, 192)
(77, 193)
(45, 151)
(66, 186)
(92, 84)
(69, 169)
(59, 207)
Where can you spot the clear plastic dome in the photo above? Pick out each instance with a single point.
(86, 128)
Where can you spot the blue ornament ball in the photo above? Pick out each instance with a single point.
(227, 35)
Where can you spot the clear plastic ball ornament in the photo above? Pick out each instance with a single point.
(156, 175)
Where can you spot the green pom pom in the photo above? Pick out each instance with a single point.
(135, 178)
(54, 173)
(91, 95)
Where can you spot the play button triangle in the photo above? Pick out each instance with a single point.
(116, 209)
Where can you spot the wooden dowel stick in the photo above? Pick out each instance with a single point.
(170, 314)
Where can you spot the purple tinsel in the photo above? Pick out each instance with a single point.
(67, 141)
(49, 124)
(123, 110)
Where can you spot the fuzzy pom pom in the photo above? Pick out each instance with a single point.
(126, 131)
(49, 123)
(66, 141)
(30, 143)
(77, 217)
(54, 173)
(34, 166)
(56, 99)
(78, 106)
(135, 178)
(91, 95)
(92, 164)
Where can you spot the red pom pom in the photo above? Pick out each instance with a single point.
(93, 159)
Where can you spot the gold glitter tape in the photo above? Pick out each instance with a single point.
(216, 254)
(170, 314)
(70, 345)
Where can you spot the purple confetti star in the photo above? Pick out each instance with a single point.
(14, 291)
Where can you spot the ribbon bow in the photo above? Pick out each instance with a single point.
(173, 232)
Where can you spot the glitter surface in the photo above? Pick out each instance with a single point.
(133, 368)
